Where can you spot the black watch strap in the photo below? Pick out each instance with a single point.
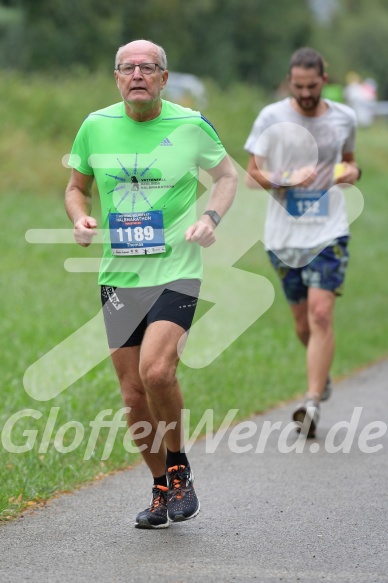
(215, 217)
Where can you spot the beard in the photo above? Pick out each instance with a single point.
(308, 103)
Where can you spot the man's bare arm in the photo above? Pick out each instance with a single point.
(257, 177)
(221, 198)
(78, 204)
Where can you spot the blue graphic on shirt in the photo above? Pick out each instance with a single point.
(132, 183)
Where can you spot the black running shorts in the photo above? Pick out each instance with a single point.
(128, 311)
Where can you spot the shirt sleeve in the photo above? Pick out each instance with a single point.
(210, 151)
(258, 140)
(350, 142)
(79, 156)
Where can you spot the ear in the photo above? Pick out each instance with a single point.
(116, 77)
(325, 78)
(164, 79)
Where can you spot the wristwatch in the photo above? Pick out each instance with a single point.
(215, 217)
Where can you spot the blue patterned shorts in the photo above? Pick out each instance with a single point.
(325, 271)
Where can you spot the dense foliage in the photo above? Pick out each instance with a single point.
(247, 41)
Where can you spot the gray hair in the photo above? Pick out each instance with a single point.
(162, 55)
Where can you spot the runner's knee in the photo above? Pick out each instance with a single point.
(157, 374)
(133, 397)
(320, 316)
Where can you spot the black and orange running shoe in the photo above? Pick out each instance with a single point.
(156, 515)
(182, 501)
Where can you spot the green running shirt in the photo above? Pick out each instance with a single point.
(148, 166)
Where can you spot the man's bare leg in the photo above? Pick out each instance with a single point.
(158, 364)
(126, 361)
(320, 348)
(314, 328)
(150, 388)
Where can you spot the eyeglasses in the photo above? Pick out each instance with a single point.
(145, 68)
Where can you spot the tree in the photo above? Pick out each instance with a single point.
(355, 40)
(222, 39)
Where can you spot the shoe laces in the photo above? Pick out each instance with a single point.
(158, 497)
(178, 477)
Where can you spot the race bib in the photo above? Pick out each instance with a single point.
(307, 205)
(137, 233)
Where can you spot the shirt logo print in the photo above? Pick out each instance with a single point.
(129, 184)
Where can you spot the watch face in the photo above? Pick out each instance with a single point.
(215, 217)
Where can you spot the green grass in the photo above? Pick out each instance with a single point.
(42, 303)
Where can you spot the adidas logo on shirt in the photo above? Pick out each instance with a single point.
(166, 142)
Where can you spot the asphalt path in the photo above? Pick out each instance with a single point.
(306, 511)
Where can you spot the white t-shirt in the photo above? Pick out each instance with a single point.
(288, 141)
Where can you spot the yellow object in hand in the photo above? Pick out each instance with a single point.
(339, 169)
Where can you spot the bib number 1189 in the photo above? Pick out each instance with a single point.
(135, 234)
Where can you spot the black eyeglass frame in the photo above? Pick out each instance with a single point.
(140, 65)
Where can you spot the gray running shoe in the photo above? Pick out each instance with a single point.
(306, 416)
(327, 390)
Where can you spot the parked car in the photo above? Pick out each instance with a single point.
(185, 89)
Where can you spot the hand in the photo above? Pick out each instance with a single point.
(349, 174)
(84, 230)
(303, 176)
(201, 233)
